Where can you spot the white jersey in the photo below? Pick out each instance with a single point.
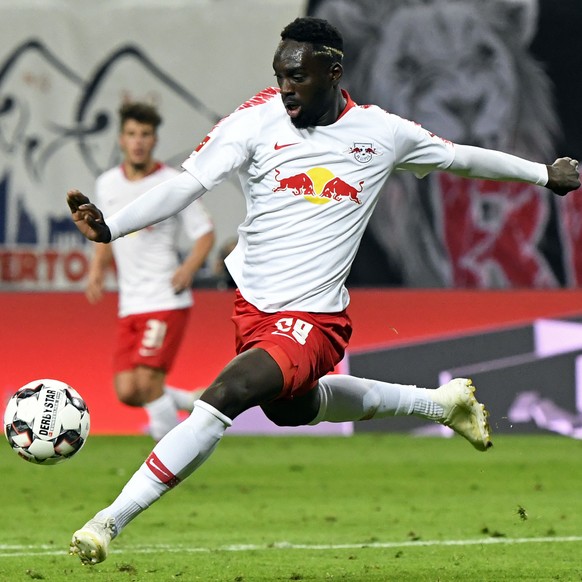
(309, 194)
(146, 260)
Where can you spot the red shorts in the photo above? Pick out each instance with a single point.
(149, 339)
(306, 346)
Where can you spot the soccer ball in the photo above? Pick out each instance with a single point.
(46, 422)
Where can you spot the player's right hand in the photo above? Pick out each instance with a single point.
(563, 176)
(87, 217)
(94, 290)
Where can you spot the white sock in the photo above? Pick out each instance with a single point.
(173, 459)
(344, 398)
(162, 414)
(183, 399)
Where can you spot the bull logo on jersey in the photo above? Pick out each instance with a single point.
(363, 152)
(318, 186)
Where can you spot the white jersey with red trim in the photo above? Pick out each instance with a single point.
(309, 194)
(147, 259)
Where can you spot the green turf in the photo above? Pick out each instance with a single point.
(365, 508)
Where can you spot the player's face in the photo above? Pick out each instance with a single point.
(308, 84)
(137, 142)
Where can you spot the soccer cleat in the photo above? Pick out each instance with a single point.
(463, 413)
(90, 542)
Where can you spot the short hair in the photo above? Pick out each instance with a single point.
(325, 38)
(141, 112)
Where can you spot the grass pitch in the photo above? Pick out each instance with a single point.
(367, 508)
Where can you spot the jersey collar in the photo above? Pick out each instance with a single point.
(157, 166)
(349, 103)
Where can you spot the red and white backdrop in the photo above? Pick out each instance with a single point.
(522, 348)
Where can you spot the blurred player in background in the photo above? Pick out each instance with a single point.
(311, 164)
(155, 294)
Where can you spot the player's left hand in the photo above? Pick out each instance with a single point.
(563, 176)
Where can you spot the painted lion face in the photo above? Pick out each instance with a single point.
(445, 68)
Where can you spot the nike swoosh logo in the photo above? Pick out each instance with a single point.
(284, 145)
(161, 471)
(158, 467)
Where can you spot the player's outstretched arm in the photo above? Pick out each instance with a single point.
(563, 176)
(472, 162)
(155, 205)
(87, 217)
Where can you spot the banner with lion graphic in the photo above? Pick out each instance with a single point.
(500, 74)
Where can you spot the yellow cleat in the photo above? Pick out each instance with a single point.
(463, 413)
(90, 542)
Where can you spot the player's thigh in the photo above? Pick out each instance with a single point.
(248, 380)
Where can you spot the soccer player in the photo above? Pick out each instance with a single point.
(311, 163)
(155, 294)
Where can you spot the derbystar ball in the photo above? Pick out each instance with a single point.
(46, 422)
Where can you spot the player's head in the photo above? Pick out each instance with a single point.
(308, 68)
(140, 112)
(138, 126)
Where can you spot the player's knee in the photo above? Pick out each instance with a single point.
(298, 411)
(251, 379)
(231, 396)
(282, 417)
(127, 392)
(372, 401)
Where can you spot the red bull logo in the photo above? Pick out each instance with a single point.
(319, 186)
(299, 184)
(363, 152)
